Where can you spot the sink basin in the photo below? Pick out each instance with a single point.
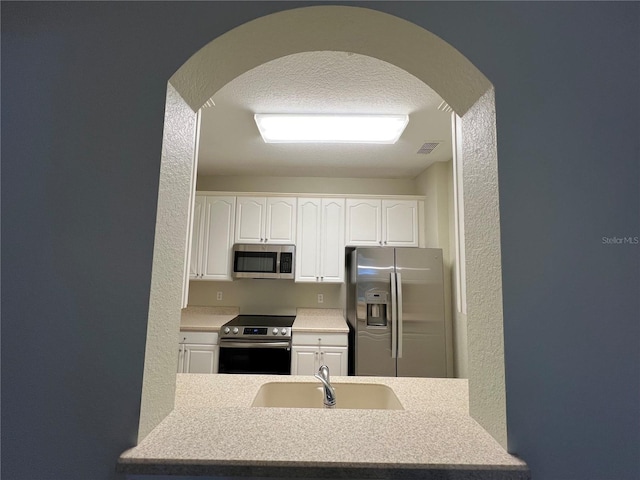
(310, 395)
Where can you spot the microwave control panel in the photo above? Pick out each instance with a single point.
(286, 262)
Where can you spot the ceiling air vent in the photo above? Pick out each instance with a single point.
(427, 148)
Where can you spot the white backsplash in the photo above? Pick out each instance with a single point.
(267, 297)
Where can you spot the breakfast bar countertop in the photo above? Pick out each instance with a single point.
(215, 431)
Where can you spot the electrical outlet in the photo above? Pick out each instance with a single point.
(219, 296)
(320, 298)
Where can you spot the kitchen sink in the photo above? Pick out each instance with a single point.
(310, 395)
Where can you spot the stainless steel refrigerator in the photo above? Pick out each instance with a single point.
(395, 308)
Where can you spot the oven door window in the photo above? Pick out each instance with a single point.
(255, 262)
(266, 361)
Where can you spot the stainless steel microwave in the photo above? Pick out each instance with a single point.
(263, 261)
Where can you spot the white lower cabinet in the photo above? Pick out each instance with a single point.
(309, 351)
(198, 352)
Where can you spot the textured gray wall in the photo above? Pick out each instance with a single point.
(83, 90)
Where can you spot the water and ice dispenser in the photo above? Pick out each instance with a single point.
(377, 304)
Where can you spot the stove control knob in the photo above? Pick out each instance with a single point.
(227, 329)
(275, 331)
(283, 331)
(235, 330)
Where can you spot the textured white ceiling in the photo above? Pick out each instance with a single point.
(322, 82)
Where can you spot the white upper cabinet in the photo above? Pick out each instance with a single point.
(400, 225)
(266, 220)
(196, 238)
(250, 218)
(280, 224)
(364, 222)
(212, 238)
(375, 222)
(332, 240)
(320, 240)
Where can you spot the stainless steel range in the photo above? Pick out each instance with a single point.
(256, 344)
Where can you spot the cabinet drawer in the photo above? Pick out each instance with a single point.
(201, 338)
(320, 338)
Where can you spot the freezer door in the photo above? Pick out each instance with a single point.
(421, 313)
(373, 349)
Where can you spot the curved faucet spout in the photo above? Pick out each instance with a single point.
(329, 392)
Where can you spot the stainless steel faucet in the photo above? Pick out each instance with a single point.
(329, 392)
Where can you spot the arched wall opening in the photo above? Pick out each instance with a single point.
(367, 32)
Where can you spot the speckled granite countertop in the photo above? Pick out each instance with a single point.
(206, 319)
(312, 320)
(315, 320)
(214, 431)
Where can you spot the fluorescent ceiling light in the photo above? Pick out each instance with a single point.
(309, 128)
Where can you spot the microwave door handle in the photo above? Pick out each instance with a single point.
(394, 318)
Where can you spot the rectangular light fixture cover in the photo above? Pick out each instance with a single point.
(330, 128)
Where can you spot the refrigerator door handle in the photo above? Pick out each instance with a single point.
(394, 318)
(399, 308)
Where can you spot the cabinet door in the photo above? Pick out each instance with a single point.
(304, 360)
(335, 358)
(400, 223)
(196, 238)
(308, 236)
(332, 240)
(250, 217)
(200, 358)
(280, 223)
(180, 358)
(218, 222)
(363, 222)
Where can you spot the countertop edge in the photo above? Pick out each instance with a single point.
(324, 470)
(307, 321)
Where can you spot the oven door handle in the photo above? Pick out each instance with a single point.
(236, 344)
